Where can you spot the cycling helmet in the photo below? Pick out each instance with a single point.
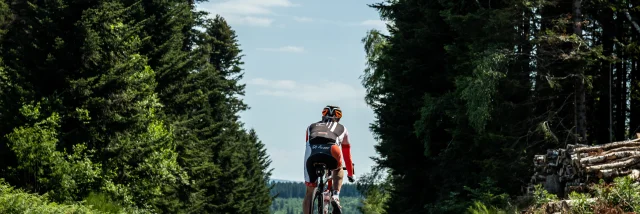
(331, 112)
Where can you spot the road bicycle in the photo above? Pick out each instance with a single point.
(318, 197)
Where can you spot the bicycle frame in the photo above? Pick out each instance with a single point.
(323, 177)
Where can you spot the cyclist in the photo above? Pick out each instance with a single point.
(326, 141)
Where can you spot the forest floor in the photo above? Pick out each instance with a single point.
(618, 197)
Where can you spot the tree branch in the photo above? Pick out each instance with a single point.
(635, 25)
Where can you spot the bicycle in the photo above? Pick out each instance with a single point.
(323, 177)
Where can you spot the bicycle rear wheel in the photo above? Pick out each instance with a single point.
(317, 206)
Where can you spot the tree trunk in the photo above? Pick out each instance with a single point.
(604, 81)
(629, 143)
(581, 126)
(609, 156)
(630, 161)
(621, 103)
(634, 109)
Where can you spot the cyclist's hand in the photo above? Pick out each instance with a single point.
(351, 178)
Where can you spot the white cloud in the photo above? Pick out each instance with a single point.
(302, 19)
(321, 92)
(246, 12)
(374, 23)
(290, 49)
(255, 21)
(274, 84)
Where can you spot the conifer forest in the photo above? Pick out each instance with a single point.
(132, 106)
(125, 106)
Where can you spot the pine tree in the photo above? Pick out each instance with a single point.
(227, 179)
(5, 19)
(165, 45)
(42, 60)
(126, 98)
(225, 56)
(507, 82)
(257, 174)
(135, 148)
(103, 91)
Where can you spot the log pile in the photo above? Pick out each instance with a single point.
(572, 168)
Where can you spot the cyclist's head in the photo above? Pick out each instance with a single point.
(333, 113)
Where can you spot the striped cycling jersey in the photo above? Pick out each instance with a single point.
(336, 132)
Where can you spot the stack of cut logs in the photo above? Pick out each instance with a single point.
(578, 165)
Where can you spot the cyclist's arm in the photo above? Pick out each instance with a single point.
(346, 151)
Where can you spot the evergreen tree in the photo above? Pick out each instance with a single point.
(104, 92)
(503, 80)
(227, 164)
(257, 174)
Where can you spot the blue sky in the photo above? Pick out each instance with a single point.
(299, 57)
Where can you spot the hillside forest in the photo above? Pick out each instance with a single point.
(289, 195)
(466, 92)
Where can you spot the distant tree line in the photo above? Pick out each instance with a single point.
(298, 189)
(293, 205)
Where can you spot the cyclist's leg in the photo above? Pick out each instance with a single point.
(337, 174)
(310, 178)
(307, 199)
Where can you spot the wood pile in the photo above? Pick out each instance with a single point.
(562, 171)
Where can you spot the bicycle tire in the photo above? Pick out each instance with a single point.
(318, 209)
(318, 194)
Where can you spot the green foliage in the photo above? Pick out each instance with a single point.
(62, 174)
(102, 202)
(5, 18)
(489, 194)
(463, 91)
(374, 203)
(125, 105)
(480, 90)
(17, 201)
(480, 208)
(580, 205)
(619, 196)
(624, 192)
(375, 188)
(541, 196)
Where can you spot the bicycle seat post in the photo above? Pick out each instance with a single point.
(320, 168)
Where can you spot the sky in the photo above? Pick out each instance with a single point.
(300, 55)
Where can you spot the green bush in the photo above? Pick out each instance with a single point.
(17, 201)
(580, 205)
(102, 202)
(623, 193)
(480, 208)
(541, 196)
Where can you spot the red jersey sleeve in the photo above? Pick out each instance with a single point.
(346, 151)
